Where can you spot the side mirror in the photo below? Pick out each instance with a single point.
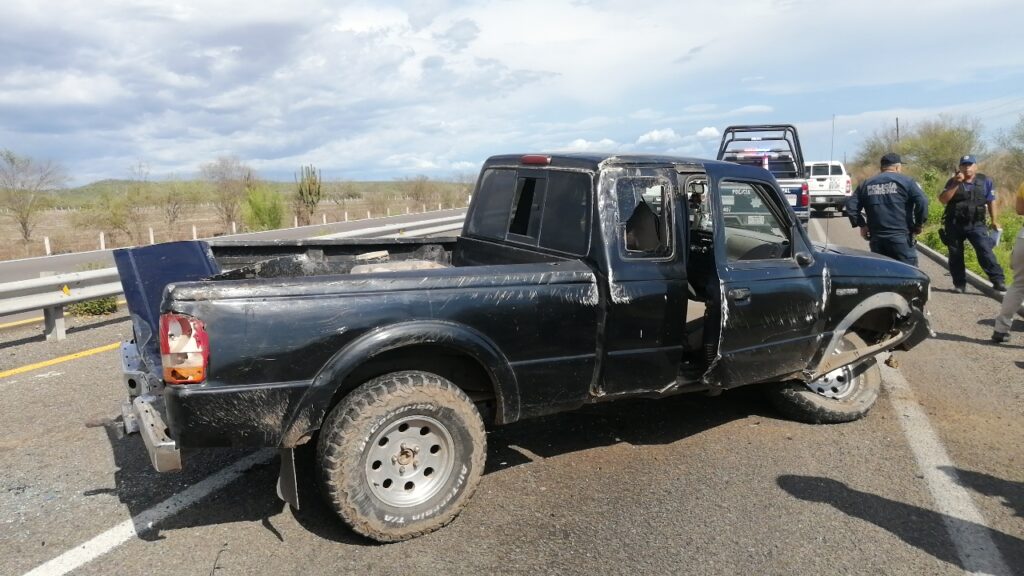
(803, 259)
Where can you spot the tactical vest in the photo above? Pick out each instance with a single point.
(967, 207)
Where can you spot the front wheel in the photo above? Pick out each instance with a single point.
(401, 455)
(842, 395)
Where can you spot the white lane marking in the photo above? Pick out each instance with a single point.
(816, 224)
(428, 231)
(389, 228)
(966, 527)
(145, 520)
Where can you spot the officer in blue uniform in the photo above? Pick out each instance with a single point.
(895, 208)
(968, 195)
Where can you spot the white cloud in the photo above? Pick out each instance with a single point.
(661, 136)
(602, 145)
(752, 109)
(375, 89)
(708, 133)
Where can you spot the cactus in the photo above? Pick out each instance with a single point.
(308, 194)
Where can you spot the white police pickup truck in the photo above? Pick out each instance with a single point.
(829, 186)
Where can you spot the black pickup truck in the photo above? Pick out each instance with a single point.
(577, 278)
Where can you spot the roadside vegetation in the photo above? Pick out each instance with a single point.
(226, 197)
(931, 151)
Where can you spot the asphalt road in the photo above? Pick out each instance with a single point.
(684, 485)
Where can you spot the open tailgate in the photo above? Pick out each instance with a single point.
(145, 272)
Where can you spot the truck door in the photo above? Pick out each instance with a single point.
(770, 286)
(646, 304)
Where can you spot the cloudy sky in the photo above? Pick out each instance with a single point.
(384, 89)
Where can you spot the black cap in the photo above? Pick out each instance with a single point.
(890, 159)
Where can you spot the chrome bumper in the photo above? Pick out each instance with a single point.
(163, 450)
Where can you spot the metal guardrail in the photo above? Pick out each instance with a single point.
(52, 293)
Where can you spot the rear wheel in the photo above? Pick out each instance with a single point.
(401, 455)
(842, 395)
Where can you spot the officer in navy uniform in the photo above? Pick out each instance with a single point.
(967, 196)
(896, 208)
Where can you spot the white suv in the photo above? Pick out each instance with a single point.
(829, 185)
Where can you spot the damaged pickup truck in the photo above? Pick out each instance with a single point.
(578, 278)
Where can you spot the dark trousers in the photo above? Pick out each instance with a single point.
(978, 237)
(897, 247)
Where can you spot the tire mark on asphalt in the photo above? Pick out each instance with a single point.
(125, 531)
(966, 527)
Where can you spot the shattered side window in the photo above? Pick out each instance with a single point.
(644, 216)
(492, 204)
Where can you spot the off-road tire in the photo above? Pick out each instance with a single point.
(798, 401)
(366, 425)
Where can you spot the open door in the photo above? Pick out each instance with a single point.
(769, 286)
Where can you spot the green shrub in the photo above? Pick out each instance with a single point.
(263, 209)
(97, 307)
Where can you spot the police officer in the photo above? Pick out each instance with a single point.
(967, 196)
(896, 208)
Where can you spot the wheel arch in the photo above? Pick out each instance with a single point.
(866, 319)
(457, 352)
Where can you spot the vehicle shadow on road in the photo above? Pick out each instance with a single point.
(919, 527)
(139, 487)
(636, 422)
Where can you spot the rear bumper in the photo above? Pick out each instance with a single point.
(163, 450)
(837, 201)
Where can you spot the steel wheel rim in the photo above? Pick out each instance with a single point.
(409, 461)
(837, 384)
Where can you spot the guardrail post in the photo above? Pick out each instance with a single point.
(325, 218)
(46, 243)
(295, 222)
(367, 214)
(151, 239)
(53, 320)
(407, 209)
(194, 235)
(389, 211)
(346, 215)
(233, 229)
(103, 242)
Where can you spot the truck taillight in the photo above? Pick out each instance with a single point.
(805, 196)
(849, 187)
(184, 349)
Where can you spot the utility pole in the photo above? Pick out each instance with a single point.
(832, 150)
(897, 129)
